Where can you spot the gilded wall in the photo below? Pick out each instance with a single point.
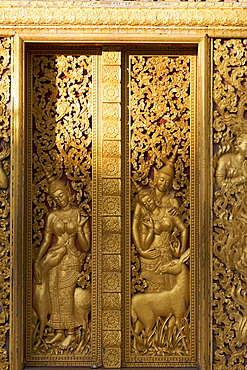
(123, 149)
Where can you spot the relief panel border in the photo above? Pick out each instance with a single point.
(201, 252)
(114, 301)
(95, 356)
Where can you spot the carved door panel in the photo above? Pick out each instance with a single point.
(111, 241)
(61, 270)
(229, 228)
(160, 208)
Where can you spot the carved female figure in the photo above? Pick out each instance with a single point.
(58, 265)
(155, 217)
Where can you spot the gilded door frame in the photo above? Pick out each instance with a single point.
(18, 174)
(118, 22)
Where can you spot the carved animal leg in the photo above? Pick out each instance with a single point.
(38, 332)
(171, 323)
(57, 337)
(82, 306)
(68, 340)
(43, 322)
(138, 327)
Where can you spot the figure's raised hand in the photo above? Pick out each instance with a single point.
(147, 221)
(150, 253)
(82, 221)
(173, 211)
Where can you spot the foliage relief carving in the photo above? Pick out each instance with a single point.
(62, 138)
(160, 118)
(5, 248)
(230, 226)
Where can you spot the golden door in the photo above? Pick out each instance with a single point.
(111, 258)
(111, 246)
(123, 186)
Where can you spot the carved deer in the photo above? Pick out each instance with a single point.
(147, 307)
(41, 299)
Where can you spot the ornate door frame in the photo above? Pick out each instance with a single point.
(20, 173)
(121, 23)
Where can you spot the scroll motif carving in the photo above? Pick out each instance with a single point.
(5, 250)
(62, 134)
(160, 158)
(230, 226)
(54, 14)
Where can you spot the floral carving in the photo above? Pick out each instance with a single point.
(112, 243)
(111, 301)
(111, 320)
(111, 282)
(160, 125)
(112, 339)
(111, 186)
(230, 223)
(61, 120)
(112, 358)
(5, 249)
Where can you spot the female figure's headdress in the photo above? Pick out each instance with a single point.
(53, 183)
(141, 192)
(168, 168)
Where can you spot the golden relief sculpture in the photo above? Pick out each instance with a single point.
(160, 115)
(230, 225)
(5, 151)
(57, 269)
(5, 247)
(60, 269)
(64, 116)
(155, 217)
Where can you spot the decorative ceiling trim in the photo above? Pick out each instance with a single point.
(124, 14)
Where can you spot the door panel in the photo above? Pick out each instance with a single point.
(61, 261)
(111, 229)
(161, 208)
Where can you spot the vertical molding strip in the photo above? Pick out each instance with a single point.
(111, 207)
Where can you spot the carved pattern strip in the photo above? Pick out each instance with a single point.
(53, 14)
(230, 188)
(5, 247)
(111, 207)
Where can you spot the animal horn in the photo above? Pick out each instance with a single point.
(185, 256)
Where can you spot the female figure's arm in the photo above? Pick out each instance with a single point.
(136, 228)
(84, 233)
(43, 249)
(143, 244)
(184, 237)
(147, 236)
(177, 251)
